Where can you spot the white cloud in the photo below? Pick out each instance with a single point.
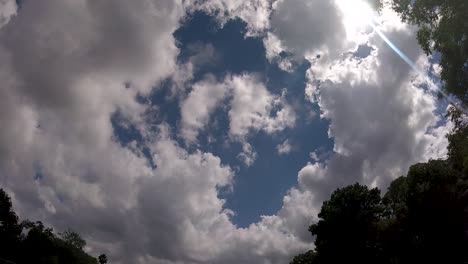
(7, 10)
(284, 148)
(205, 96)
(61, 83)
(254, 12)
(307, 27)
(248, 154)
(254, 108)
(63, 80)
(381, 119)
(310, 174)
(200, 55)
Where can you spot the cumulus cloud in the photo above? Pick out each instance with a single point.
(68, 66)
(251, 107)
(205, 96)
(248, 154)
(381, 118)
(254, 108)
(7, 10)
(306, 27)
(254, 12)
(61, 80)
(200, 55)
(284, 148)
(181, 200)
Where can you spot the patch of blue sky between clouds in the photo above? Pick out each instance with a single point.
(258, 189)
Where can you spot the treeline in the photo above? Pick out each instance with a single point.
(422, 218)
(26, 242)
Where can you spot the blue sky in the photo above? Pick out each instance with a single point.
(203, 132)
(258, 189)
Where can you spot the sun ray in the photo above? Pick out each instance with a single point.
(408, 61)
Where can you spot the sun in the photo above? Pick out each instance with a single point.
(358, 15)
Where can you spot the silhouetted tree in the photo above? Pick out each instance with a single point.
(307, 258)
(32, 242)
(73, 239)
(10, 228)
(102, 259)
(347, 229)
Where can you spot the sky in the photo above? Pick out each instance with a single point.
(187, 132)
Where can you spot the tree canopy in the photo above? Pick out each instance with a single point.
(26, 242)
(348, 221)
(102, 259)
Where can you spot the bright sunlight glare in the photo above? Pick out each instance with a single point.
(357, 15)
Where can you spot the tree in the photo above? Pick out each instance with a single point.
(32, 242)
(458, 141)
(9, 225)
(102, 259)
(435, 213)
(347, 229)
(458, 161)
(10, 228)
(306, 258)
(393, 238)
(74, 239)
(422, 218)
(443, 28)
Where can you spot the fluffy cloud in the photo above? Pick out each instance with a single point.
(381, 118)
(251, 107)
(305, 26)
(205, 96)
(61, 80)
(7, 10)
(248, 154)
(179, 218)
(68, 66)
(284, 148)
(254, 12)
(254, 108)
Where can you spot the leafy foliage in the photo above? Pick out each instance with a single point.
(10, 228)
(349, 223)
(102, 259)
(306, 258)
(31, 242)
(443, 28)
(73, 239)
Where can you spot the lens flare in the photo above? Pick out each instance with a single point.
(358, 16)
(415, 68)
